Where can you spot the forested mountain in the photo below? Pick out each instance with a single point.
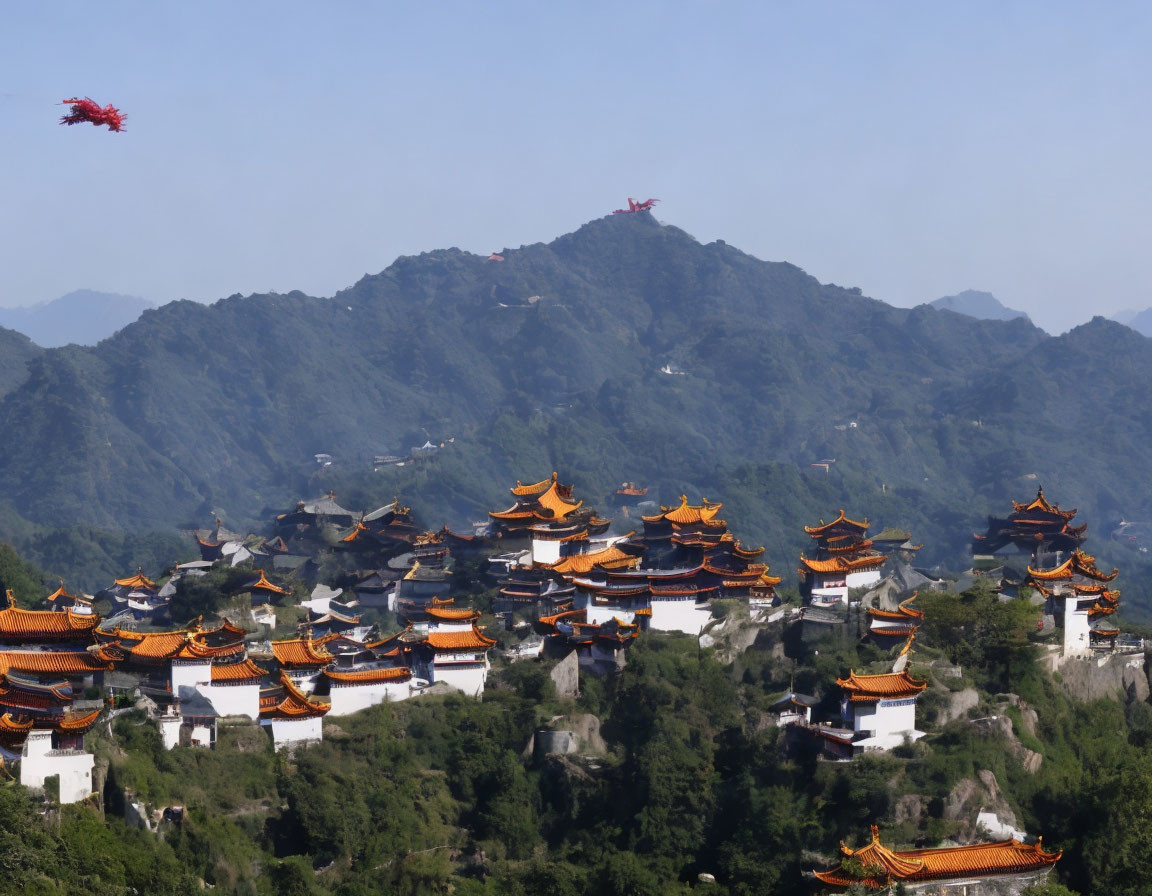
(625, 350)
(84, 317)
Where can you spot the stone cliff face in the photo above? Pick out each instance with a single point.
(1117, 676)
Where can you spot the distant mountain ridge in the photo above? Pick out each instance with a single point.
(1140, 321)
(981, 305)
(82, 317)
(552, 360)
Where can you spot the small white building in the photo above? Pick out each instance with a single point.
(353, 690)
(293, 718)
(881, 709)
(39, 761)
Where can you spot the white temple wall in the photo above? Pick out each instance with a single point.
(829, 594)
(289, 732)
(598, 615)
(38, 761)
(353, 698)
(233, 700)
(685, 616)
(189, 675)
(1077, 640)
(169, 730)
(466, 677)
(545, 550)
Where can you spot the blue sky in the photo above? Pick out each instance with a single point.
(911, 149)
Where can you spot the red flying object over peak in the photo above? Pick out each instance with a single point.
(634, 206)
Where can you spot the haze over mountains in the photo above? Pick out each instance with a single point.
(82, 317)
(982, 305)
(552, 360)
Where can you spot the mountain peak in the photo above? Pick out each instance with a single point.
(978, 304)
(82, 317)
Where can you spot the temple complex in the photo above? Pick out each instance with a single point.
(546, 501)
(845, 559)
(973, 870)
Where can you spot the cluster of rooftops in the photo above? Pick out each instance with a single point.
(591, 584)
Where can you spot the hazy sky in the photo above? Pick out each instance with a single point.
(911, 149)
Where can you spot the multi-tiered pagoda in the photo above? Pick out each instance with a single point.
(1076, 593)
(1034, 529)
(845, 558)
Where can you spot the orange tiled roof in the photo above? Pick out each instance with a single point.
(1080, 563)
(817, 531)
(451, 613)
(47, 624)
(369, 676)
(903, 612)
(840, 564)
(533, 488)
(75, 723)
(885, 686)
(610, 558)
(137, 581)
(942, 863)
(467, 640)
(1041, 503)
(300, 652)
(14, 724)
(292, 703)
(242, 671)
(54, 662)
(686, 513)
(262, 584)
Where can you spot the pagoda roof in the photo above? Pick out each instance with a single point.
(686, 513)
(178, 645)
(61, 594)
(840, 563)
(246, 670)
(609, 558)
(473, 639)
(325, 506)
(885, 866)
(841, 518)
(137, 581)
(451, 614)
(55, 662)
(262, 584)
(885, 686)
(27, 694)
(553, 502)
(369, 676)
(1042, 504)
(300, 652)
(903, 612)
(288, 702)
(76, 723)
(30, 625)
(520, 490)
(14, 725)
(1079, 563)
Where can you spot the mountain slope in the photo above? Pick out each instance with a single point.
(553, 359)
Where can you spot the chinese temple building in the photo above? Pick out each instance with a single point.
(292, 716)
(1077, 595)
(972, 870)
(887, 626)
(439, 615)
(350, 691)
(845, 559)
(881, 709)
(61, 601)
(19, 626)
(547, 501)
(456, 658)
(683, 525)
(1033, 530)
(599, 646)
